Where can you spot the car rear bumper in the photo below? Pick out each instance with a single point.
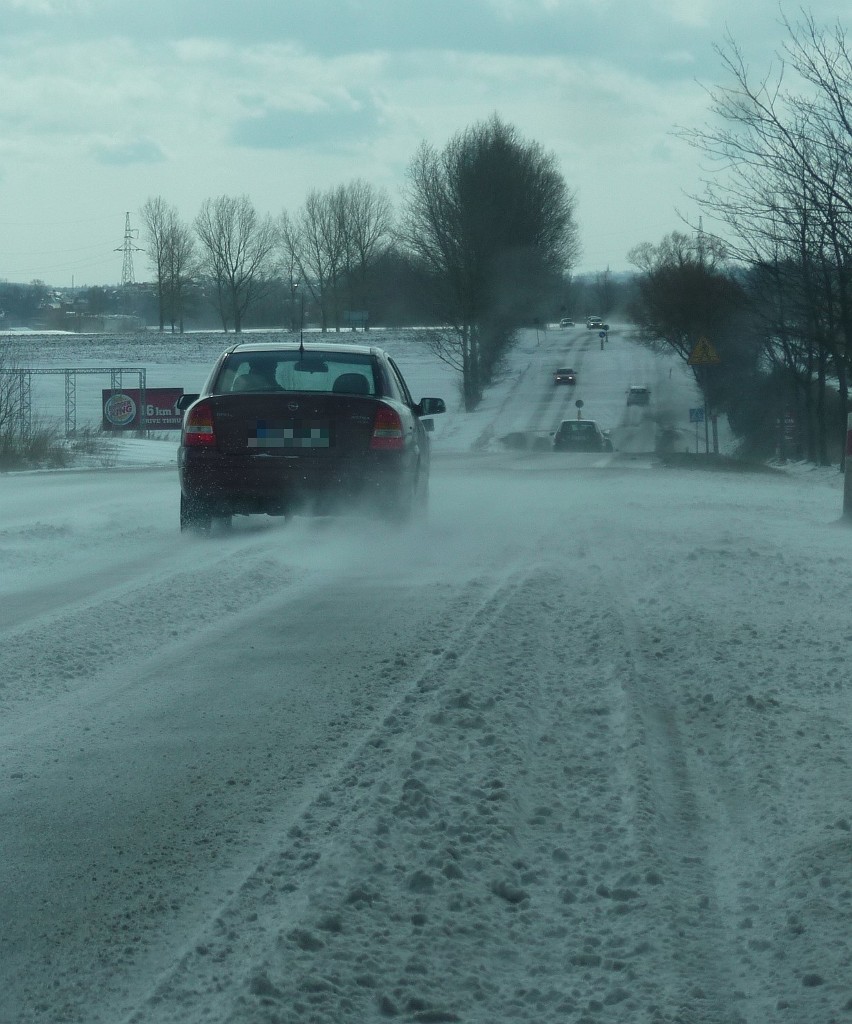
(276, 485)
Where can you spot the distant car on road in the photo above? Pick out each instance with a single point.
(593, 321)
(285, 428)
(638, 394)
(581, 436)
(566, 322)
(565, 376)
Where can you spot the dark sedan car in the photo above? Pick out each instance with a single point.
(581, 436)
(638, 394)
(565, 376)
(284, 429)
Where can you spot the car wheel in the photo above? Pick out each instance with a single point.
(403, 509)
(194, 515)
(421, 499)
(403, 504)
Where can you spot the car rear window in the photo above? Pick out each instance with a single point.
(316, 371)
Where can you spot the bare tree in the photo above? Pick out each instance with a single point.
(492, 220)
(367, 226)
(333, 243)
(183, 270)
(290, 270)
(315, 241)
(172, 250)
(237, 249)
(786, 199)
(684, 293)
(155, 215)
(12, 403)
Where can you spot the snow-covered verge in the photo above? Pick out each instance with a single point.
(578, 750)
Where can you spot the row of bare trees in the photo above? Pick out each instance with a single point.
(327, 248)
(331, 244)
(487, 227)
(776, 296)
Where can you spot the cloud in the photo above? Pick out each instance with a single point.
(202, 97)
(289, 129)
(696, 14)
(138, 151)
(47, 8)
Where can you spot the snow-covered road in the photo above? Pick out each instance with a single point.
(578, 749)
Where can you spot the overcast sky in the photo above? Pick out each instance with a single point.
(105, 103)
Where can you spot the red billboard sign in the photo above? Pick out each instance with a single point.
(123, 409)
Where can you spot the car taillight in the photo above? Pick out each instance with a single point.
(198, 427)
(387, 430)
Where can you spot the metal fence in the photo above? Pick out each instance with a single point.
(20, 391)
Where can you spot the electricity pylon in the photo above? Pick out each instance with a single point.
(130, 235)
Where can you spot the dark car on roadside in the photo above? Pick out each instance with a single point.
(581, 436)
(565, 376)
(638, 394)
(284, 429)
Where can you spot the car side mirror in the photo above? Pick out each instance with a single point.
(185, 401)
(430, 406)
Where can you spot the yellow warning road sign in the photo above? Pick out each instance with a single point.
(703, 354)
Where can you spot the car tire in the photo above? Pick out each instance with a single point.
(420, 510)
(195, 517)
(406, 504)
(402, 511)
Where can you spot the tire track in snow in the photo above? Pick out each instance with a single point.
(675, 823)
(89, 625)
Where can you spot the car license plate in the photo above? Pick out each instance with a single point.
(291, 434)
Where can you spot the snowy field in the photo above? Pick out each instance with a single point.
(578, 749)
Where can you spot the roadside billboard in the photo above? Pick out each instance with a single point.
(123, 409)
